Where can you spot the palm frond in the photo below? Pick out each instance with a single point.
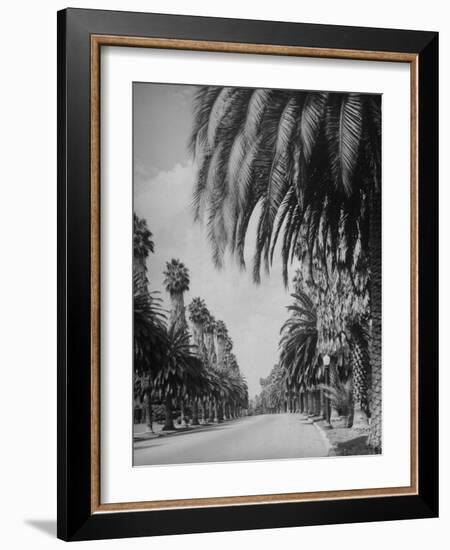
(343, 131)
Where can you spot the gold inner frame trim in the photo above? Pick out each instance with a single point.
(97, 41)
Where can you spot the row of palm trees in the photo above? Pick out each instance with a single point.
(310, 381)
(273, 397)
(307, 167)
(176, 364)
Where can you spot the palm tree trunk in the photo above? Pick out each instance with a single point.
(182, 413)
(150, 412)
(375, 340)
(210, 349)
(317, 402)
(177, 318)
(322, 403)
(212, 410)
(359, 381)
(333, 383)
(220, 411)
(220, 352)
(195, 421)
(139, 266)
(351, 414)
(310, 403)
(168, 422)
(205, 410)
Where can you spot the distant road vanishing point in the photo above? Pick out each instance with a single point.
(268, 436)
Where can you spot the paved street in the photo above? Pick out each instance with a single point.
(249, 438)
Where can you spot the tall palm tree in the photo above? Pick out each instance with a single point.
(359, 357)
(232, 362)
(221, 337)
(149, 317)
(198, 314)
(341, 299)
(176, 281)
(148, 327)
(149, 332)
(273, 394)
(209, 328)
(299, 351)
(181, 374)
(306, 162)
(238, 397)
(221, 340)
(212, 393)
(142, 243)
(228, 351)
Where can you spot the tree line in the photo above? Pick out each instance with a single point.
(306, 381)
(181, 366)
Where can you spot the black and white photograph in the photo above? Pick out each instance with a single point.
(256, 274)
(230, 314)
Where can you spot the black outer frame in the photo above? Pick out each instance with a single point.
(75, 521)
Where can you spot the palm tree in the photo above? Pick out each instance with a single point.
(182, 372)
(238, 395)
(149, 317)
(228, 351)
(221, 339)
(359, 357)
(148, 327)
(176, 282)
(213, 385)
(221, 336)
(209, 329)
(198, 314)
(149, 332)
(310, 165)
(341, 299)
(273, 395)
(341, 396)
(142, 243)
(299, 349)
(232, 362)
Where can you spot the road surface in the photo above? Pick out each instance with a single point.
(251, 438)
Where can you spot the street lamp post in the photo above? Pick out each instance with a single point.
(327, 407)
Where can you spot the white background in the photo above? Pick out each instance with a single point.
(28, 274)
(120, 482)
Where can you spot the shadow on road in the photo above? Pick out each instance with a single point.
(159, 440)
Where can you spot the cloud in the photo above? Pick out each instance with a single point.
(148, 182)
(142, 172)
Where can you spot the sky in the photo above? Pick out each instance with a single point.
(164, 175)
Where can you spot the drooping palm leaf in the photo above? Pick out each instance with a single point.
(343, 131)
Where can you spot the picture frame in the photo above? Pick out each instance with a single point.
(81, 36)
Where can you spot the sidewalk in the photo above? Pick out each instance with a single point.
(344, 441)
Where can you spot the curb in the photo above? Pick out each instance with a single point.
(331, 449)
